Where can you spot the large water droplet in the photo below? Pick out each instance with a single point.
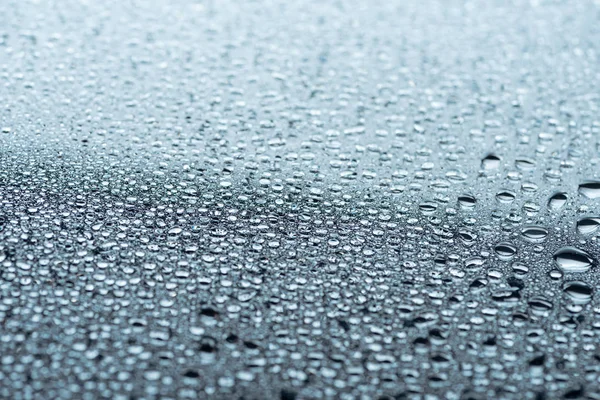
(525, 164)
(590, 189)
(588, 225)
(506, 196)
(474, 263)
(467, 201)
(570, 259)
(557, 201)
(490, 161)
(540, 304)
(579, 292)
(505, 250)
(534, 233)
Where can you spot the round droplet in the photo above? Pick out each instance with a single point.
(505, 250)
(534, 233)
(588, 225)
(579, 292)
(557, 201)
(590, 189)
(570, 259)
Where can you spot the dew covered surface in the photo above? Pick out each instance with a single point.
(299, 200)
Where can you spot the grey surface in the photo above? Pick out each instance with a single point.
(299, 199)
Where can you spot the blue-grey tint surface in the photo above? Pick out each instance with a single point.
(299, 199)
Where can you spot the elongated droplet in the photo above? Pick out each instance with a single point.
(590, 189)
(570, 259)
(588, 225)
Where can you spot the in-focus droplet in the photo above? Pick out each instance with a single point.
(579, 292)
(491, 161)
(474, 263)
(570, 259)
(427, 207)
(520, 269)
(588, 225)
(556, 274)
(557, 201)
(540, 304)
(467, 201)
(590, 189)
(506, 196)
(534, 233)
(505, 250)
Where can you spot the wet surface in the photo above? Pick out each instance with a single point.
(299, 200)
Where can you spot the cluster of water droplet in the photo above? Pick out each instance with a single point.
(296, 200)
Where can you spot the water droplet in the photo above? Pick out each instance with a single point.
(505, 250)
(491, 161)
(506, 196)
(467, 201)
(474, 263)
(590, 189)
(579, 292)
(540, 304)
(556, 274)
(588, 225)
(534, 233)
(570, 259)
(520, 269)
(557, 201)
(427, 207)
(525, 164)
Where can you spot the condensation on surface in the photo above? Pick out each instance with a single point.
(299, 200)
